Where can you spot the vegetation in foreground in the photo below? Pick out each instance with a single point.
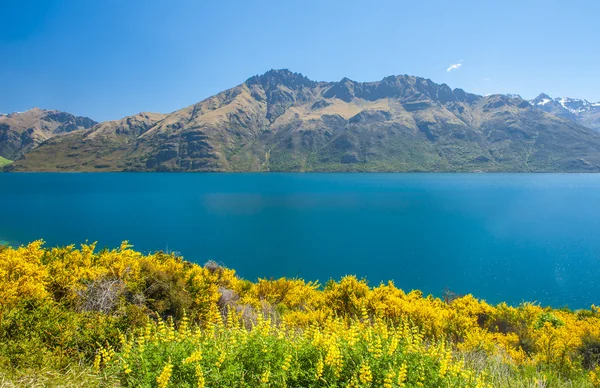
(81, 317)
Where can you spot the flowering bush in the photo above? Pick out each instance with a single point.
(337, 352)
(58, 305)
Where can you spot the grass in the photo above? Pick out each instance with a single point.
(4, 162)
(75, 376)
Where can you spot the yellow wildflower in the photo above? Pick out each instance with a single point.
(165, 376)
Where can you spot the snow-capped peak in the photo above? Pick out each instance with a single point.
(573, 105)
(543, 102)
(542, 99)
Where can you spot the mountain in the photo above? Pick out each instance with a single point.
(100, 147)
(21, 132)
(581, 111)
(283, 121)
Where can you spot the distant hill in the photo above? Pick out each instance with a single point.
(102, 147)
(581, 111)
(21, 132)
(283, 121)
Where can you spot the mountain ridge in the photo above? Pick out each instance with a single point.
(576, 109)
(283, 121)
(20, 132)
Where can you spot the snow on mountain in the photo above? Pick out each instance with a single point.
(579, 110)
(573, 105)
(544, 101)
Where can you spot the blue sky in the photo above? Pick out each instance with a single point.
(111, 58)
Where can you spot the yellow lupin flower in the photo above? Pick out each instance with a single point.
(377, 348)
(445, 361)
(170, 329)
(319, 369)
(221, 359)
(333, 358)
(402, 374)
(389, 379)
(364, 375)
(194, 357)
(393, 345)
(122, 339)
(183, 330)
(594, 376)
(233, 340)
(97, 360)
(162, 329)
(147, 332)
(165, 376)
(353, 382)
(456, 368)
(287, 362)
(264, 377)
(352, 336)
(200, 377)
(421, 378)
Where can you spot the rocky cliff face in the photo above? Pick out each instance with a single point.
(21, 132)
(282, 121)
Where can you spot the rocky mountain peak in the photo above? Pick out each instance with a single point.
(543, 96)
(345, 90)
(281, 77)
(403, 87)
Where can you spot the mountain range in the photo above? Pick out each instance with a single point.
(581, 111)
(21, 132)
(283, 121)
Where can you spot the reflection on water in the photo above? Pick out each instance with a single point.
(502, 237)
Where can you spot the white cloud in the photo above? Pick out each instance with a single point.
(455, 66)
(487, 79)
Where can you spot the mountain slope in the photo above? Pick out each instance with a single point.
(282, 121)
(21, 132)
(581, 111)
(101, 147)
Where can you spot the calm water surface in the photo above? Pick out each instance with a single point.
(502, 237)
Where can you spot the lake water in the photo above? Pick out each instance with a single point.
(501, 237)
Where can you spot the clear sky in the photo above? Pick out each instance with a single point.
(107, 59)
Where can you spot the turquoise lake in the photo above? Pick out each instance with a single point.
(501, 237)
